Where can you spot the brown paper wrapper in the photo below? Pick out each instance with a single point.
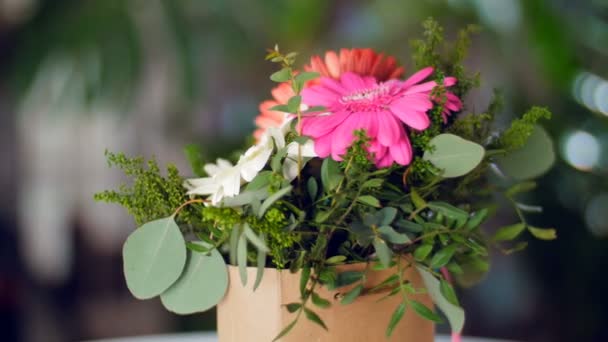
(248, 316)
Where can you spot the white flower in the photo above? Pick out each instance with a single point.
(290, 165)
(225, 179)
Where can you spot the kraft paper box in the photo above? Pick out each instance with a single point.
(248, 316)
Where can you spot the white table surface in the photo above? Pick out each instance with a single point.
(212, 337)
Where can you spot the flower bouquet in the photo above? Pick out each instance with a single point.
(358, 206)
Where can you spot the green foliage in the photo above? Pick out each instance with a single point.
(154, 256)
(454, 156)
(279, 241)
(151, 195)
(348, 211)
(517, 134)
(200, 287)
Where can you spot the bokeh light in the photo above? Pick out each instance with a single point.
(596, 215)
(581, 150)
(591, 91)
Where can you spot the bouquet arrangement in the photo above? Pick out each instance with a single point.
(353, 162)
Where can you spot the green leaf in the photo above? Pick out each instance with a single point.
(390, 281)
(454, 313)
(476, 219)
(304, 277)
(273, 198)
(369, 200)
(194, 155)
(454, 155)
(329, 278)
(351, 295)
(373, 183)
(255, 240)
(520, 187)
(285, 330)
(261, 264)
(531, 161)
(306, 76)
(315, 109)
(336, 259)
(443, 256)
(313, 317)
(382, 251)
(473, 268)
(448, 292)
(390, 235)
(387, 215)
(196, 247)
(395, 318)
(418, 201)
(409, 226)
(509, 233)
(346, 278)
(312, 187)
(275, 162)
(425, 312)
(241, 258)
(234, 243)
(280, 108)
(322, 216)
(331, 175)
(293, 307)
(449, 211)
(260, 181)
(320, 302)
(201, 286)
(543, 233)
(154, 256)
(422, 252)
(282, 75)
(293, 104)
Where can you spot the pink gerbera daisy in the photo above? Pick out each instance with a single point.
(383, 110)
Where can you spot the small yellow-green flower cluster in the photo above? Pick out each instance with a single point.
(273, 224)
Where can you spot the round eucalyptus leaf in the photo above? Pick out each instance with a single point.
(454, 155)
(153, 257)
(201, 286)
(531, 161)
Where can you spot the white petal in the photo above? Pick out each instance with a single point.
(278, 136)
(201, 186)
(290, 169)
(307, 150)
(253, 161)
(230, 181)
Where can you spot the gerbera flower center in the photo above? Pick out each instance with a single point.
(371, 99)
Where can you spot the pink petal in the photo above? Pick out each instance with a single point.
(386, 161)
(417, 77)
(319, 96)
(352, 81)
(377, 150)
(323, 146)
(449, 81)
(322, 124)
(369, 122)
(402, 151)
(426, 87)
(411, 117)
(389, 128)
(331, 84)
(343, 137)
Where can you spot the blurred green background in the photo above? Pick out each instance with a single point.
(148, 77)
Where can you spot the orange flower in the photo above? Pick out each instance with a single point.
(364, 62)
(270, 118)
